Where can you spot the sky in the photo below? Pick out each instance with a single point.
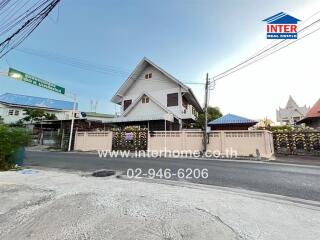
(188, 38)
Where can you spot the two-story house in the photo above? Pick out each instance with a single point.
(151, 98)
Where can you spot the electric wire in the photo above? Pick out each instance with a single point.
(260, 53)
(267, 54)
(19, 19)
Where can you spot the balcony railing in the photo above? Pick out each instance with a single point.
(188, 112)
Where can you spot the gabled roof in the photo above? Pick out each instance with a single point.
(312, 114)
(291, 110)
(291, 103)
(314, 111)
(35, 102)
(152, 99)
(232, 119)
(135, 75)
(281, 18)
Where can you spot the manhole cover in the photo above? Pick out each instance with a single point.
(103, 173)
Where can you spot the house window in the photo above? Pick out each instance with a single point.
(11, 112)
(172, 99)
(145, 99)
(147, 76)
(194, 112)
(126, 104)
(16, 112)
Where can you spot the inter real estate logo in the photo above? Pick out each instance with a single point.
(282, 26)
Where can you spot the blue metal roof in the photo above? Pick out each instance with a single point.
(30, 101)
(231, 119)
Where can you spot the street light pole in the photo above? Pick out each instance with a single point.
(206, 112)
(165, 137)
(72, 122)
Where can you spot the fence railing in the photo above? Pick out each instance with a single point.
(297, 143)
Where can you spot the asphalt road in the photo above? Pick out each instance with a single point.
(283, 179)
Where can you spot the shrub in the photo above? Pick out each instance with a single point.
(288, 128)
(10, 140)
(282, 128)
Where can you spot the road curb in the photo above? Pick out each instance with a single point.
(314, 205)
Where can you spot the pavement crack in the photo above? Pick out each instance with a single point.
(217, 218)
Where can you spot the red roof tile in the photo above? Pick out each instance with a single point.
(314, 111)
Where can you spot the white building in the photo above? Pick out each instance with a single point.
(292, 113)
(151, 96)
(12, 107)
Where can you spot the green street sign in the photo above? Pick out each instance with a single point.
(35, 81)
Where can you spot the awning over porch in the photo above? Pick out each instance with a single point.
(167, 117)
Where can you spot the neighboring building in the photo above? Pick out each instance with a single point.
(312, 118)
(231, 122)
(151, 97)
(12, 107)
(56, 132)
(292, 113)
(93, 116)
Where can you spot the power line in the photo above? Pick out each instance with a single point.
(259, 53)
(20, 20)
(267, 54)
(275, 41)
(88, 66)
(85, 65)
(74, 62)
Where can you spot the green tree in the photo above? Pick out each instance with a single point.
(213, 113)
(37, 115)
(50, 116)
(11, 138)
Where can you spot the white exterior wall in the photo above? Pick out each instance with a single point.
(158, 87)
(142, 109)
(158, 82)
(4, 113)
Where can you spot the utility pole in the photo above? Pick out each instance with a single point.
(206, 112)
(72, 122)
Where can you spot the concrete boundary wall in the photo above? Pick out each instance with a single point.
(175, 141)
(90, 141)
(244, 143)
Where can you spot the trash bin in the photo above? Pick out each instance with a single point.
(19, 155)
